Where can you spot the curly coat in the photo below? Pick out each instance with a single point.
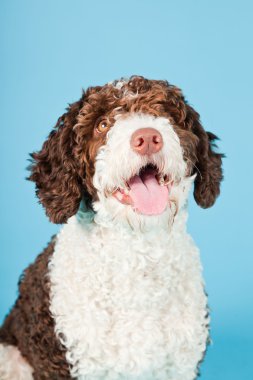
(64, 168)
(63, 173)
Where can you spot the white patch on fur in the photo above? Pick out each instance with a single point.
(12, 365)
(128, 305)
(119, 83)
(127, 294)
(124, 92)
(116, 162)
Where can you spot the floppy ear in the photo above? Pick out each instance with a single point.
(208, 164)
(55, 171)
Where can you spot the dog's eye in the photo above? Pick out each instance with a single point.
(102, 127)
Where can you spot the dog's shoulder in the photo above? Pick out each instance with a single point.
(30, 326)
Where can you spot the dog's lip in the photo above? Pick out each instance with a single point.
(122, 195)
(162, 178)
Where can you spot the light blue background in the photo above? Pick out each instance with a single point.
(51, 49)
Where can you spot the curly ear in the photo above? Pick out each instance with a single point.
(54, 169)
(208, 164)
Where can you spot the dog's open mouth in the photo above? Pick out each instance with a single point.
(147, 192)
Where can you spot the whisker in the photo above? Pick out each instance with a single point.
(188, 159)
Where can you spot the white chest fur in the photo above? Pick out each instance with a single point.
(128, 305)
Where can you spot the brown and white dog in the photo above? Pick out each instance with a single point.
(118, 293)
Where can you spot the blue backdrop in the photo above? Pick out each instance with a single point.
(51, 49)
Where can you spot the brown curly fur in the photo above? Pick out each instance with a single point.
(63, 172)
(29, 325)
(64, 168)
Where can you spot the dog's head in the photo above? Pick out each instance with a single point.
(130, 149)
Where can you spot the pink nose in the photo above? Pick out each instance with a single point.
(146, 141)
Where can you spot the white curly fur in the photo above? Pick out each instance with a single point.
(116, 162)
(127, 293)
(12, 365)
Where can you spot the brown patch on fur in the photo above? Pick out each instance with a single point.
(63, 170)
(208, 163)
(58, 175)
(30, 327)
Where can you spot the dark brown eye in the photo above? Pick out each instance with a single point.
(103, 126)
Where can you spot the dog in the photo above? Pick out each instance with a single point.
(118, 293)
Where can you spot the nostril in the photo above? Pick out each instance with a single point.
(156, 139)
(139, 142)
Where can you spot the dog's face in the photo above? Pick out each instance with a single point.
(130, 149)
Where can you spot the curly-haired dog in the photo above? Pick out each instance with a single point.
(118, 293)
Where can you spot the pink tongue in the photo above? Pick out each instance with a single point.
(148, 196)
